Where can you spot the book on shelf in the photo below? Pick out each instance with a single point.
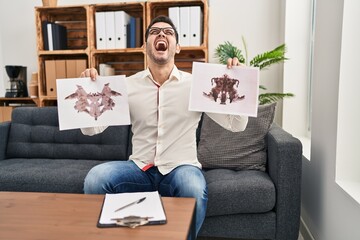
(131, 30)
(134, 33)
(59, 37)
(100, 30)
(174, 15)
(54, 36)
(138, 33)
(45, 34)
(188, 23)
(184, 37)
(195, 26)
(121, 21)
(110, 30)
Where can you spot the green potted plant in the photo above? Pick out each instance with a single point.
(264, 60)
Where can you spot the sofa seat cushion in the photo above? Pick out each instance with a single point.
(44, 175)
(234, 192)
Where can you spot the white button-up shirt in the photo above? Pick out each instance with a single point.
(164, 130)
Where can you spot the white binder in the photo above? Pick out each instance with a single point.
(50, 36)
(174, 15)
(110, 29)
(195, 26)
(100, 30)
(184, 38)
(121, 21)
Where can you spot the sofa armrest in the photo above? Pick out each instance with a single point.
(4, 134)
(284, 167)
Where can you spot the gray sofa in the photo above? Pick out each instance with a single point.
(35, 156)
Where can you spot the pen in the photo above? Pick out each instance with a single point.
(130, 204)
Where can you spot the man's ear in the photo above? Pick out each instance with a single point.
(178, 48)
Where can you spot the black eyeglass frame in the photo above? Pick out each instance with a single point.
(158, 30)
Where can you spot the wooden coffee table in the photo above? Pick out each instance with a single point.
(52, 216)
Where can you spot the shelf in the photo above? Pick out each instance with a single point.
(118, 51)
(26, 100)
(62, 52)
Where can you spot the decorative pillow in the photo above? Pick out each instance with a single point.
(219, 148)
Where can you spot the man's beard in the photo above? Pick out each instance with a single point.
(159, 59)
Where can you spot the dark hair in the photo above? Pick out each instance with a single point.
(163, 19)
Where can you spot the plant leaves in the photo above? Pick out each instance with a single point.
(226, 51)
(262, 61)
(266, 98)
(266, 59)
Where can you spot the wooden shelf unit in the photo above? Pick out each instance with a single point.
(81, 33)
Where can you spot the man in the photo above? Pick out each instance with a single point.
(164, 154)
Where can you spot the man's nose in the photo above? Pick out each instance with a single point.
(161, 33)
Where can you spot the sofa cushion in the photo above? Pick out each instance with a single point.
(219, 148)
(35, 133)
(234, 192)
(44, 175)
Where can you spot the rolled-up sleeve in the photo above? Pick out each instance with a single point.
(233, 123)
(93, 130)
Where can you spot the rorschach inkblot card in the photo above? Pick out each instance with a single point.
(217, 89)
(85, 103)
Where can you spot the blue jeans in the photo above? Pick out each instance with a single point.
(125, 176)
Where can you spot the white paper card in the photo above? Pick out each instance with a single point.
(217, 89)
(85, 103)
(150, 207)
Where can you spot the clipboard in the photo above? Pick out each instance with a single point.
(150, 211)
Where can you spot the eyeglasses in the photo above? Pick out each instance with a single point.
(167, 31)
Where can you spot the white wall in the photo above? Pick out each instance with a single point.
(296, 70)
(18, 38)
(347, 158)
(328, 211)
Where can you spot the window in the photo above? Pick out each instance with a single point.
(299, 35)
(348, 128)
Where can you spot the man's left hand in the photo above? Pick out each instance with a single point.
(233, 62)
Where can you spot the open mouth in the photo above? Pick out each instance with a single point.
(161, 45)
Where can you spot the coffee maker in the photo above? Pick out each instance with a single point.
(18, 84)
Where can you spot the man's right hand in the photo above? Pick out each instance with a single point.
(90, 72)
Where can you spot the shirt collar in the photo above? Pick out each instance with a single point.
(174, 75)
